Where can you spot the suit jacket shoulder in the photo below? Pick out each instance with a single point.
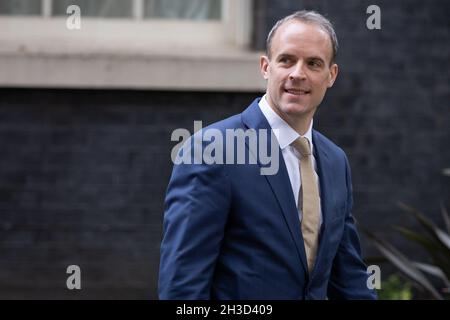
(327, 145)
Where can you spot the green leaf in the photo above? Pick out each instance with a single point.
(434, 271)
(394, 288)
(446, 172)
(446, 217)
(404, 264)
(440, 255)
(418, 238)
(443, 237)
(434, 231)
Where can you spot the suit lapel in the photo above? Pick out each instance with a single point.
(281, 187)
(280, 184)
(324, 171)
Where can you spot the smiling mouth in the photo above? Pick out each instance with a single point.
(297, 92)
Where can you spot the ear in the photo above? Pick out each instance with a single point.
(264, 66)
(334, 70)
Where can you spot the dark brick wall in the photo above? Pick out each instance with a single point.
(83, 172)
(82, 181)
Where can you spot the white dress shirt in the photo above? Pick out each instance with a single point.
(285, 135)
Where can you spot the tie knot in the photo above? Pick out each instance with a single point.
(302, 146)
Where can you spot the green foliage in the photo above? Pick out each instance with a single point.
(432, 278)
(395, 289)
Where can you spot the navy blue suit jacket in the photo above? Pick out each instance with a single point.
(231, 233)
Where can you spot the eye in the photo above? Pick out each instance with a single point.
(315, 63)
(285, 60)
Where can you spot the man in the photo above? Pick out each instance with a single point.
(231, 232)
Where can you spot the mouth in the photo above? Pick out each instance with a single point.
(297, 91)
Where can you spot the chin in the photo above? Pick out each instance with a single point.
(295, 109)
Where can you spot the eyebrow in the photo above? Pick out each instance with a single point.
(316, 58)
(285, 55)
(288, 55)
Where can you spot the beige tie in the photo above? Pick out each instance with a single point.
(308, 201)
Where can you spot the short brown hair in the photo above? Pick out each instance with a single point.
(307, 17)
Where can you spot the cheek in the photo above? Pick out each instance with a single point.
(275, 84)
(321, 83)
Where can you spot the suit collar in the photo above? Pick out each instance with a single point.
(285, 134)
(325, 171)
(253, 118)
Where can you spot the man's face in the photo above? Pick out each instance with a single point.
(299, 71)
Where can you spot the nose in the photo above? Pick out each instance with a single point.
(298, 72)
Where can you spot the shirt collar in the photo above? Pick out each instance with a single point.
(284, 133)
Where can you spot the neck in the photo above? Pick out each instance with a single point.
(299, 124)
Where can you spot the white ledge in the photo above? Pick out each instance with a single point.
(236, 72)
(179, 57)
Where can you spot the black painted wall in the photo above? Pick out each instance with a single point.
(83, 172)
